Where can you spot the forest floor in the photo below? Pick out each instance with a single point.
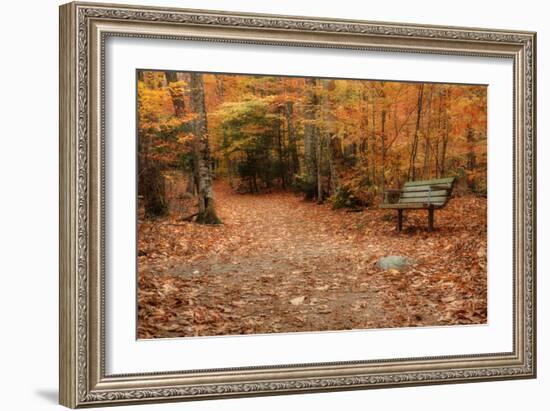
(282, 264)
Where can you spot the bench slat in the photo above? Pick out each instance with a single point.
(409, 206)
(425, 199)
(409, 189)
(425, 203)
(412, 194)
(438, 181)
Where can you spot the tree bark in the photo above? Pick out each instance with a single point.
(364, 145)
(364, 124)
(439, 132)
(310, 132)
(373, 140)
(471, 157)
(427, 138)
(177, 94)
(191, 185)
(291, 136)
(445, 142)
(411, 175)
(207, 211)
(336, 161)
(280, 152)
(152, 187)
(383, 152)
(319, 162)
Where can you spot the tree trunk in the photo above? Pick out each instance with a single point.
(373, 141)
(177, 94)
(325, 137)
(471, 158)
(291, 136)
(427, 132)
(438, 139)
(191, 185)
(336, 161)
(151, 184)
(207, 211)
(319, 162)
(383, 152)
(310, 133)
(364, 147)
(445, 136)
(280, 152)
(411, 175)
(153, 189)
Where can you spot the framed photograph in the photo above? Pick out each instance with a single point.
(259, 204)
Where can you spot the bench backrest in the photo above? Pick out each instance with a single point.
(433, 192)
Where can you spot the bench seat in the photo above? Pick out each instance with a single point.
(417, 206)
(420, 195)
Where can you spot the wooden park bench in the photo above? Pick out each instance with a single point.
(419, 195)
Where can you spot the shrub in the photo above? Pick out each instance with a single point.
(306, 185)
(344, 198)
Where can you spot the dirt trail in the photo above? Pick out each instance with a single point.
(281, 264)
(299, 251)
(286, 227)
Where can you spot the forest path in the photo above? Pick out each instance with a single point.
(286, 228)
(282, 264)
(294, 263)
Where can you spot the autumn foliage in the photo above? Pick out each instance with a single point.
(293, 168)
(318, 135)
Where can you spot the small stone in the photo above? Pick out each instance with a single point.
(395, 262)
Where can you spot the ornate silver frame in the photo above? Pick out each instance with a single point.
(83, 30)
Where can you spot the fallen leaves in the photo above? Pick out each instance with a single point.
(279, 264)
(298, 300)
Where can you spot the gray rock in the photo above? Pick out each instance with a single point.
(395, 262)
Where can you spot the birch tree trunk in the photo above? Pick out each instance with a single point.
(203, 172)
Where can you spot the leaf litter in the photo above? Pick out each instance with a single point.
(282, 264)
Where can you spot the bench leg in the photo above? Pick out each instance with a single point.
(399, 220)
(430, 219)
